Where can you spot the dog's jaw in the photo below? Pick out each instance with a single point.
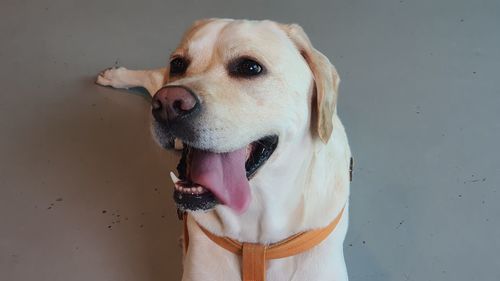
(208, 178)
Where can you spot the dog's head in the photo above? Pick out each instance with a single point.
(236, 92)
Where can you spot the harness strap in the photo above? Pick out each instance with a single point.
(253, 262)
(254, 256)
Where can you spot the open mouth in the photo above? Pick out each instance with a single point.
(208, 178)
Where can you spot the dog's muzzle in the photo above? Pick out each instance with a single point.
(205, 177)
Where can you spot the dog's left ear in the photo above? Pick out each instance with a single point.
(326, 80)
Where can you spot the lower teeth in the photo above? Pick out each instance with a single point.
(191, 190)
(179, 186)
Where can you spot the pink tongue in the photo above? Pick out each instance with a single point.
(224, 175)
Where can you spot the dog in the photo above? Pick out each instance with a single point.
(265, 155)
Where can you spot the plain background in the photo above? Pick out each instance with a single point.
(84, 191)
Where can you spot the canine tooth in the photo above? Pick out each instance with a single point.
(199, 189)
(174, 178)
(178, 145)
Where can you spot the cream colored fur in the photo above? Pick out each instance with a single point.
(304, 184)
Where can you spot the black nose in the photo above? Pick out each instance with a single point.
(174, 102)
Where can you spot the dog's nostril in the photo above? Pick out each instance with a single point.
(178, 106)
(156, 105)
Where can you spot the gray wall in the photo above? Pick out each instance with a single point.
(84, 191)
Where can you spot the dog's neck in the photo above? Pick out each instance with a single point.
(303, 188)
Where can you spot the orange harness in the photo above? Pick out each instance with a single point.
(254, 256)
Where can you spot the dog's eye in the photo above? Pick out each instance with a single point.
(178, 66)
(245, 67)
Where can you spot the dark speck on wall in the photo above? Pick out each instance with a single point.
(400, 224)
(104, 211)
(59, 199)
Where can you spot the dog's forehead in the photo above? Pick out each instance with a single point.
(231, 35)
(203, 38)
(256, 34)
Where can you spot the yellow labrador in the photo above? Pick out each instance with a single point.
(265, 155)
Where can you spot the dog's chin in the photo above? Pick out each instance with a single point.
(207, 178)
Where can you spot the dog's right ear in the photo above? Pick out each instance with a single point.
(326, 79)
